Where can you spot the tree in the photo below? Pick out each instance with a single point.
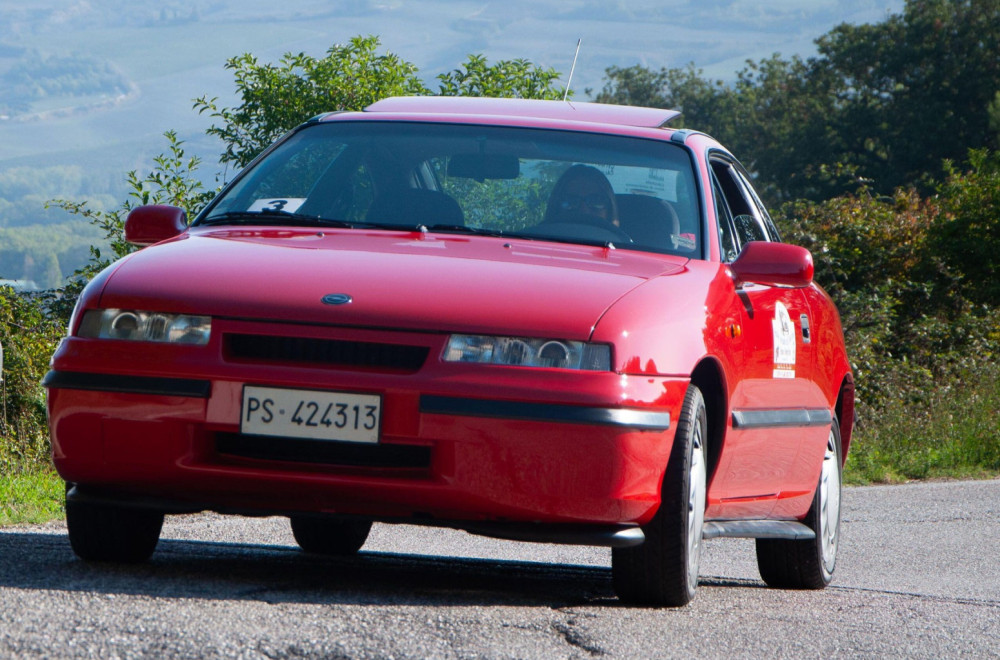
(705, 105)
(172, 181)
(882, 105)
(277, 98)
(916, 89)
(506, 79)
(967, 235)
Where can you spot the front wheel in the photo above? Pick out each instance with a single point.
(664, 569)
(102, 532)
(809, 564)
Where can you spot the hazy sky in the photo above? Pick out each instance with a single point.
(175, 51)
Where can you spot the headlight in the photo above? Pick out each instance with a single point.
(145, 326)
(523, 352)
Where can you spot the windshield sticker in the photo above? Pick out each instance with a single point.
(684, 242)
(784, 342)
(277, 205)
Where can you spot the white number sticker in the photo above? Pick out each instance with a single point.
(279, 204)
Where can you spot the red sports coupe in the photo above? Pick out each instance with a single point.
(537, 320)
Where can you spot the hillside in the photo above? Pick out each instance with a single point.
(89, 87)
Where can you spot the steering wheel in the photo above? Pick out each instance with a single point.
(600, 223)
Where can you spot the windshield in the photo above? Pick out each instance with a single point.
(505, 181)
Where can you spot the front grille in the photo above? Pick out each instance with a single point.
(323, 452)
(326, 352)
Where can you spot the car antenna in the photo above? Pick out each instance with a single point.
(572, 69)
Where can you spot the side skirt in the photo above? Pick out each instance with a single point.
(757, 529)
(612, 536)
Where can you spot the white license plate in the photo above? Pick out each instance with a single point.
(314, 414)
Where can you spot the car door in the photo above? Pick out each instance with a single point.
(772, 395)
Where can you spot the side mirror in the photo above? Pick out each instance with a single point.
(146, 225)
(774, 264)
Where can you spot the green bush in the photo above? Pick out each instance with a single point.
(966, 235)
(953, 431)
(29, 336)
(914, 281)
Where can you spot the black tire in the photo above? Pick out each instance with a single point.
(101, 532)
(809, 564)
(328, 536)
(664, 569)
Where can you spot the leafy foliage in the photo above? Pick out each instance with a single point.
(506, 79)
(952, 432)
(967, 234)
(28, 336)
(277, 98)
(912, 277)
(172, 181)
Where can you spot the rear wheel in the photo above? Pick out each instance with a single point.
(664, 569)
(323, 536)
(809, 564)
(101, 532)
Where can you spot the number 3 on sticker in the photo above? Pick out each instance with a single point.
(277, 205)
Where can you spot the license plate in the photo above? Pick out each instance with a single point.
(318, 415)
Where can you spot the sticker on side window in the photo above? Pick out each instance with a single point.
(278, 204)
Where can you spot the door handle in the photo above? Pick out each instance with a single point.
(806, 331)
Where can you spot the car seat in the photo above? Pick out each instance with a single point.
(415, 206)
(650, 221)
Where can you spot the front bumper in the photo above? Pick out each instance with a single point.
(458, 442)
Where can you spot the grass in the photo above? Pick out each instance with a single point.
(30, 497)
(951, 432)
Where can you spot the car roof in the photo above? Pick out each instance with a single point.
(598, 113)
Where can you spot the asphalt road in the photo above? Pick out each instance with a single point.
(918, 577)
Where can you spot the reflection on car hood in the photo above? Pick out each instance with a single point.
(395, 279)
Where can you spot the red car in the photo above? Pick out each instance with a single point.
(537, 320)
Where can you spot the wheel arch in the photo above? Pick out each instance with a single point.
(845, 414)
(708, 377)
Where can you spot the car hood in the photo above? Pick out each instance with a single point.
(406, 280)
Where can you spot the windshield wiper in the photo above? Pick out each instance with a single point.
(463, 229)
(265, 216)
(390, 226)
(499, 233)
